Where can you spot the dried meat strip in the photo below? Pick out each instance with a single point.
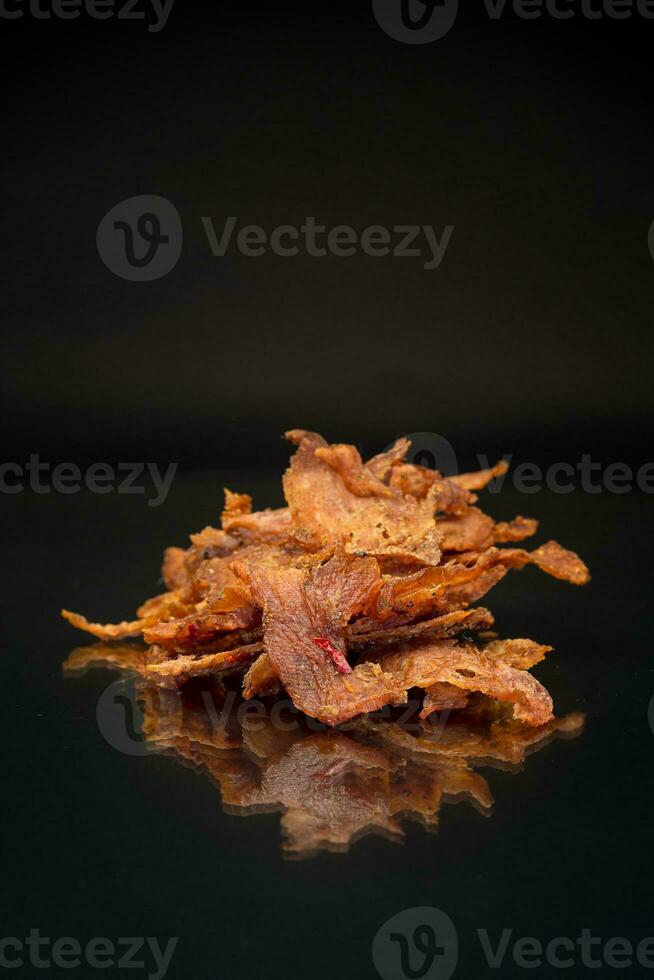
(470, 531)
(516, 530)
(473, 530)
(480, 479)
(107, 631)
(440, 626)
(382, 464)
(435, 588)
(262, 677)
(197, 629)
(442, 696)
(324, 508)
(417, 481)
(186, 666)
(469, 669)
(262, 526)
(301, 606)
(359, 479)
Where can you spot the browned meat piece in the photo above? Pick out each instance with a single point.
(186, 666)
(236, 505)
(480, 479)
(437, 588)
(195, 630)
(516, 530)
(304, 618)
(173, 570)
(382, 464)
(418, 481)
(325, 509)
(261, 679)
(465, 667)
(470, 531)
(107, 631)
(301, 607)
(263, 526)
(442, 696)
(556, 561)
(359, 633)
(521, 654)
(359, 479)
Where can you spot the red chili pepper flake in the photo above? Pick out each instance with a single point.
(338, 658)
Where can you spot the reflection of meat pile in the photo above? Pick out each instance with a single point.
(333, 786)
(353, 594)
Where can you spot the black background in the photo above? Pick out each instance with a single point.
(532, 138)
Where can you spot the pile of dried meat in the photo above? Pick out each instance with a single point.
(361, 589)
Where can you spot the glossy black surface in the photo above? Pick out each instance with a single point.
(105, 844)
(533, 137)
